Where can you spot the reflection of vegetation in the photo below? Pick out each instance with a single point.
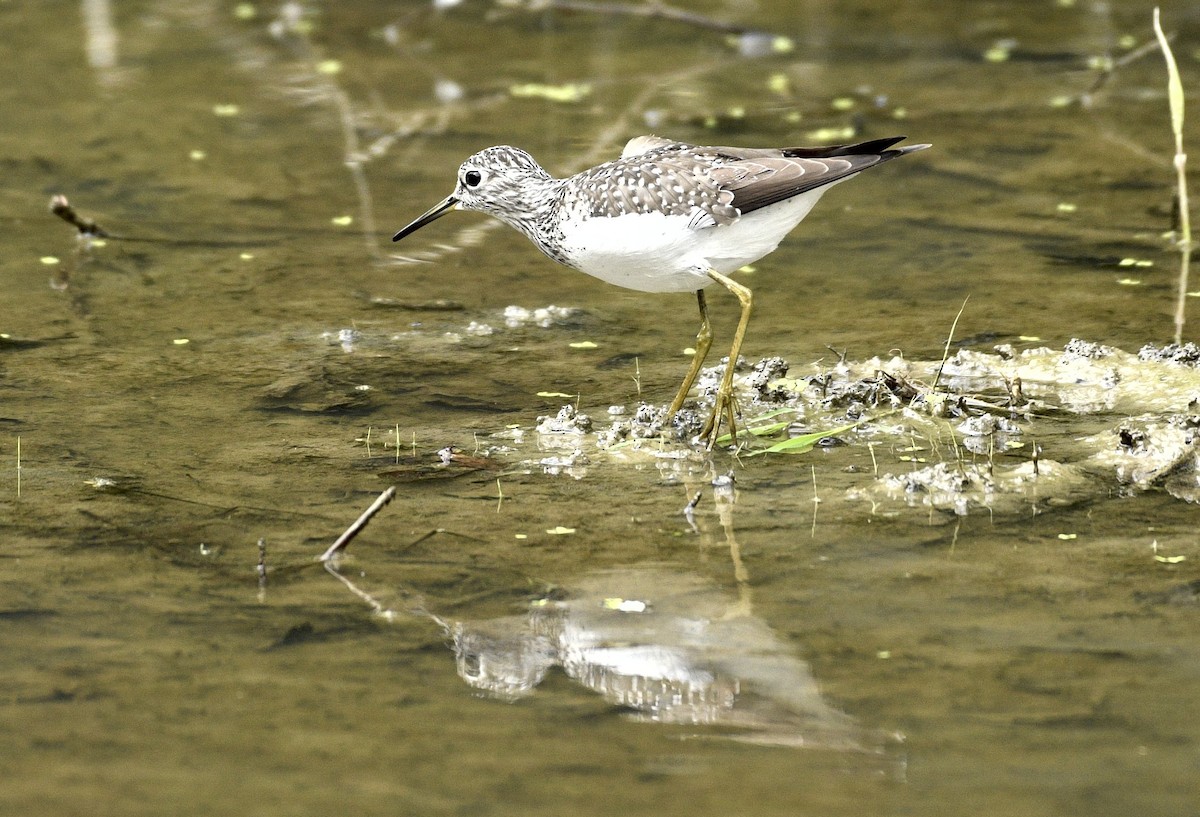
(1106, 68)
(373, 130)
(1175, 98)
(653, 11)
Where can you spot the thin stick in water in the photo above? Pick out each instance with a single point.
(62, 208)
(360, 523)
(689, 510)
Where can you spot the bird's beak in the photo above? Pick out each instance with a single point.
(432, 214)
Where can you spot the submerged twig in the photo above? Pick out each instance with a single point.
(432, 532)
(1176, 102)
(62, 208)
(651, 11)
(360, 523)
(689, 510)
(262, 569)
(1109, 68)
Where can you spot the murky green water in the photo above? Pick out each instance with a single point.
(240, 363)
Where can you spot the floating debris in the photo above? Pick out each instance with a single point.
(569, 92)
(981, 440)
(543, 317)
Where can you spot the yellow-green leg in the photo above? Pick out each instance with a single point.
(725, 402)
(703, 342)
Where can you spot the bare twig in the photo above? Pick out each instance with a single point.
(86, 227)
(360, 523)
(649, 11)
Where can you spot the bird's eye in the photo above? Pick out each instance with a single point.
(472, 178)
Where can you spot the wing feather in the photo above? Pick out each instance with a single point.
(716, 185)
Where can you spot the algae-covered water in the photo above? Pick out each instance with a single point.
(983, 596)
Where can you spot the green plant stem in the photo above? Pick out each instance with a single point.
(1176, 101)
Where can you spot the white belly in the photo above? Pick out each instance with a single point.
(651, 252)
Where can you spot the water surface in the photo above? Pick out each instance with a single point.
(241, 361)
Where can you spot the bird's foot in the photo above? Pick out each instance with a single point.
(724, 405)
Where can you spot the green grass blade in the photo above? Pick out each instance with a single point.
(804, 442)
(1174, 83)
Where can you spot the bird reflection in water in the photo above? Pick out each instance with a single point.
(669, 647)
(666, 645)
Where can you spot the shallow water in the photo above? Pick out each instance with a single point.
(241, 363)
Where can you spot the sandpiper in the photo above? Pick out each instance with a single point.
(664, 217)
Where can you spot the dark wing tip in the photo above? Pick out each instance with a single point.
(872, 147)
